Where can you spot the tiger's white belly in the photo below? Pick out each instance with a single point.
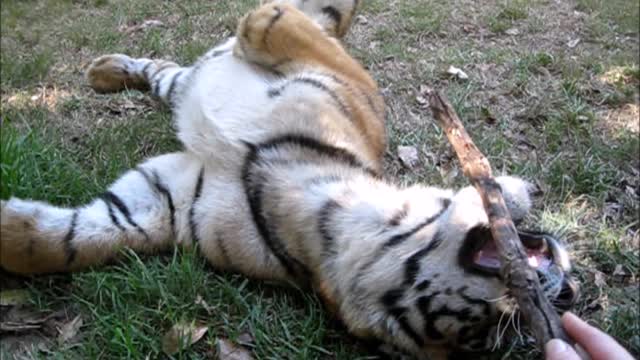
(223, 102)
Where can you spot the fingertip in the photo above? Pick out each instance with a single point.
(557, 349)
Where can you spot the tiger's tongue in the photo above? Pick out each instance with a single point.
(488, 257)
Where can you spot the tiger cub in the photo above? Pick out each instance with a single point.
(280, 179)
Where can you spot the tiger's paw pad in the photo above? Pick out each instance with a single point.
(112, 73)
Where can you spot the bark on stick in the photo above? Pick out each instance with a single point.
(520, 278)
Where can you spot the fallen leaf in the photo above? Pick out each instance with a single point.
(619, 271)
(230, 351)
(512, 32)
(208, 308)
(408, 156)
(147, 24)
(361, 19)
(599, 280)
(182, 335)
(69, 330)
(13, 297)
(458, 73)
(468, 28)
(573, 43)
(245, 339)
(422, 101)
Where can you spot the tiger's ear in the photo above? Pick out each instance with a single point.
(517, 195)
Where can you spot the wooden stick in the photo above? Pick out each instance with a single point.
(520, 278)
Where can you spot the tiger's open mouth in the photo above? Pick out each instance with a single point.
(480, 253)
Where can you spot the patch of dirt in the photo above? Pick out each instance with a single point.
(626, 117)
(23, 328)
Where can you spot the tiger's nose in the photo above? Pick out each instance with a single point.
(568, 294)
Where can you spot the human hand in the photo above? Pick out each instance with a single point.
(597, 344)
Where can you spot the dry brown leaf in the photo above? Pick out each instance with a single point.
(182, 335)
(13, 297)
(69, 330)
(230, 351)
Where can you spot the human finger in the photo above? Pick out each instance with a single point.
(598, 345)
(557, 349)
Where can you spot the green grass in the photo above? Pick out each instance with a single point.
(509, 13)
(622, 14)
(536, 108)
(132, 302)
(18, 72)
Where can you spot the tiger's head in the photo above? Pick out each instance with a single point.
(446, 290)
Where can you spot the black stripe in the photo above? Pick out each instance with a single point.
(112, 216)
(192, 210)
(391, 297)
(172, 86)
(272, 22)
(160, 187)
(400, 316)
(486, 308)
(145, 68)
(69, 249)
(390, 301)
(400, 238)
(400, 215)
(155, 90)
(115, 200)
(274, 92)
(216, 53)
(423, 304)
(333, 13)
(423, 285)
(253, 189)
(325, 216)
(412, 265)
(253, 185)
(339, 154)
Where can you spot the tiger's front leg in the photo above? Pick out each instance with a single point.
(147, 209)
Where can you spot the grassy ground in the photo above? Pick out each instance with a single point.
(552, 96)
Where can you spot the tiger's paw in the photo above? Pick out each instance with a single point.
(274, 34)
(116, 72)
(16, 227)
(24, 248)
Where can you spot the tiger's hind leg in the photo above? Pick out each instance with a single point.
(148, 209)
(117, 72)
(333, 16)
(283, 38)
